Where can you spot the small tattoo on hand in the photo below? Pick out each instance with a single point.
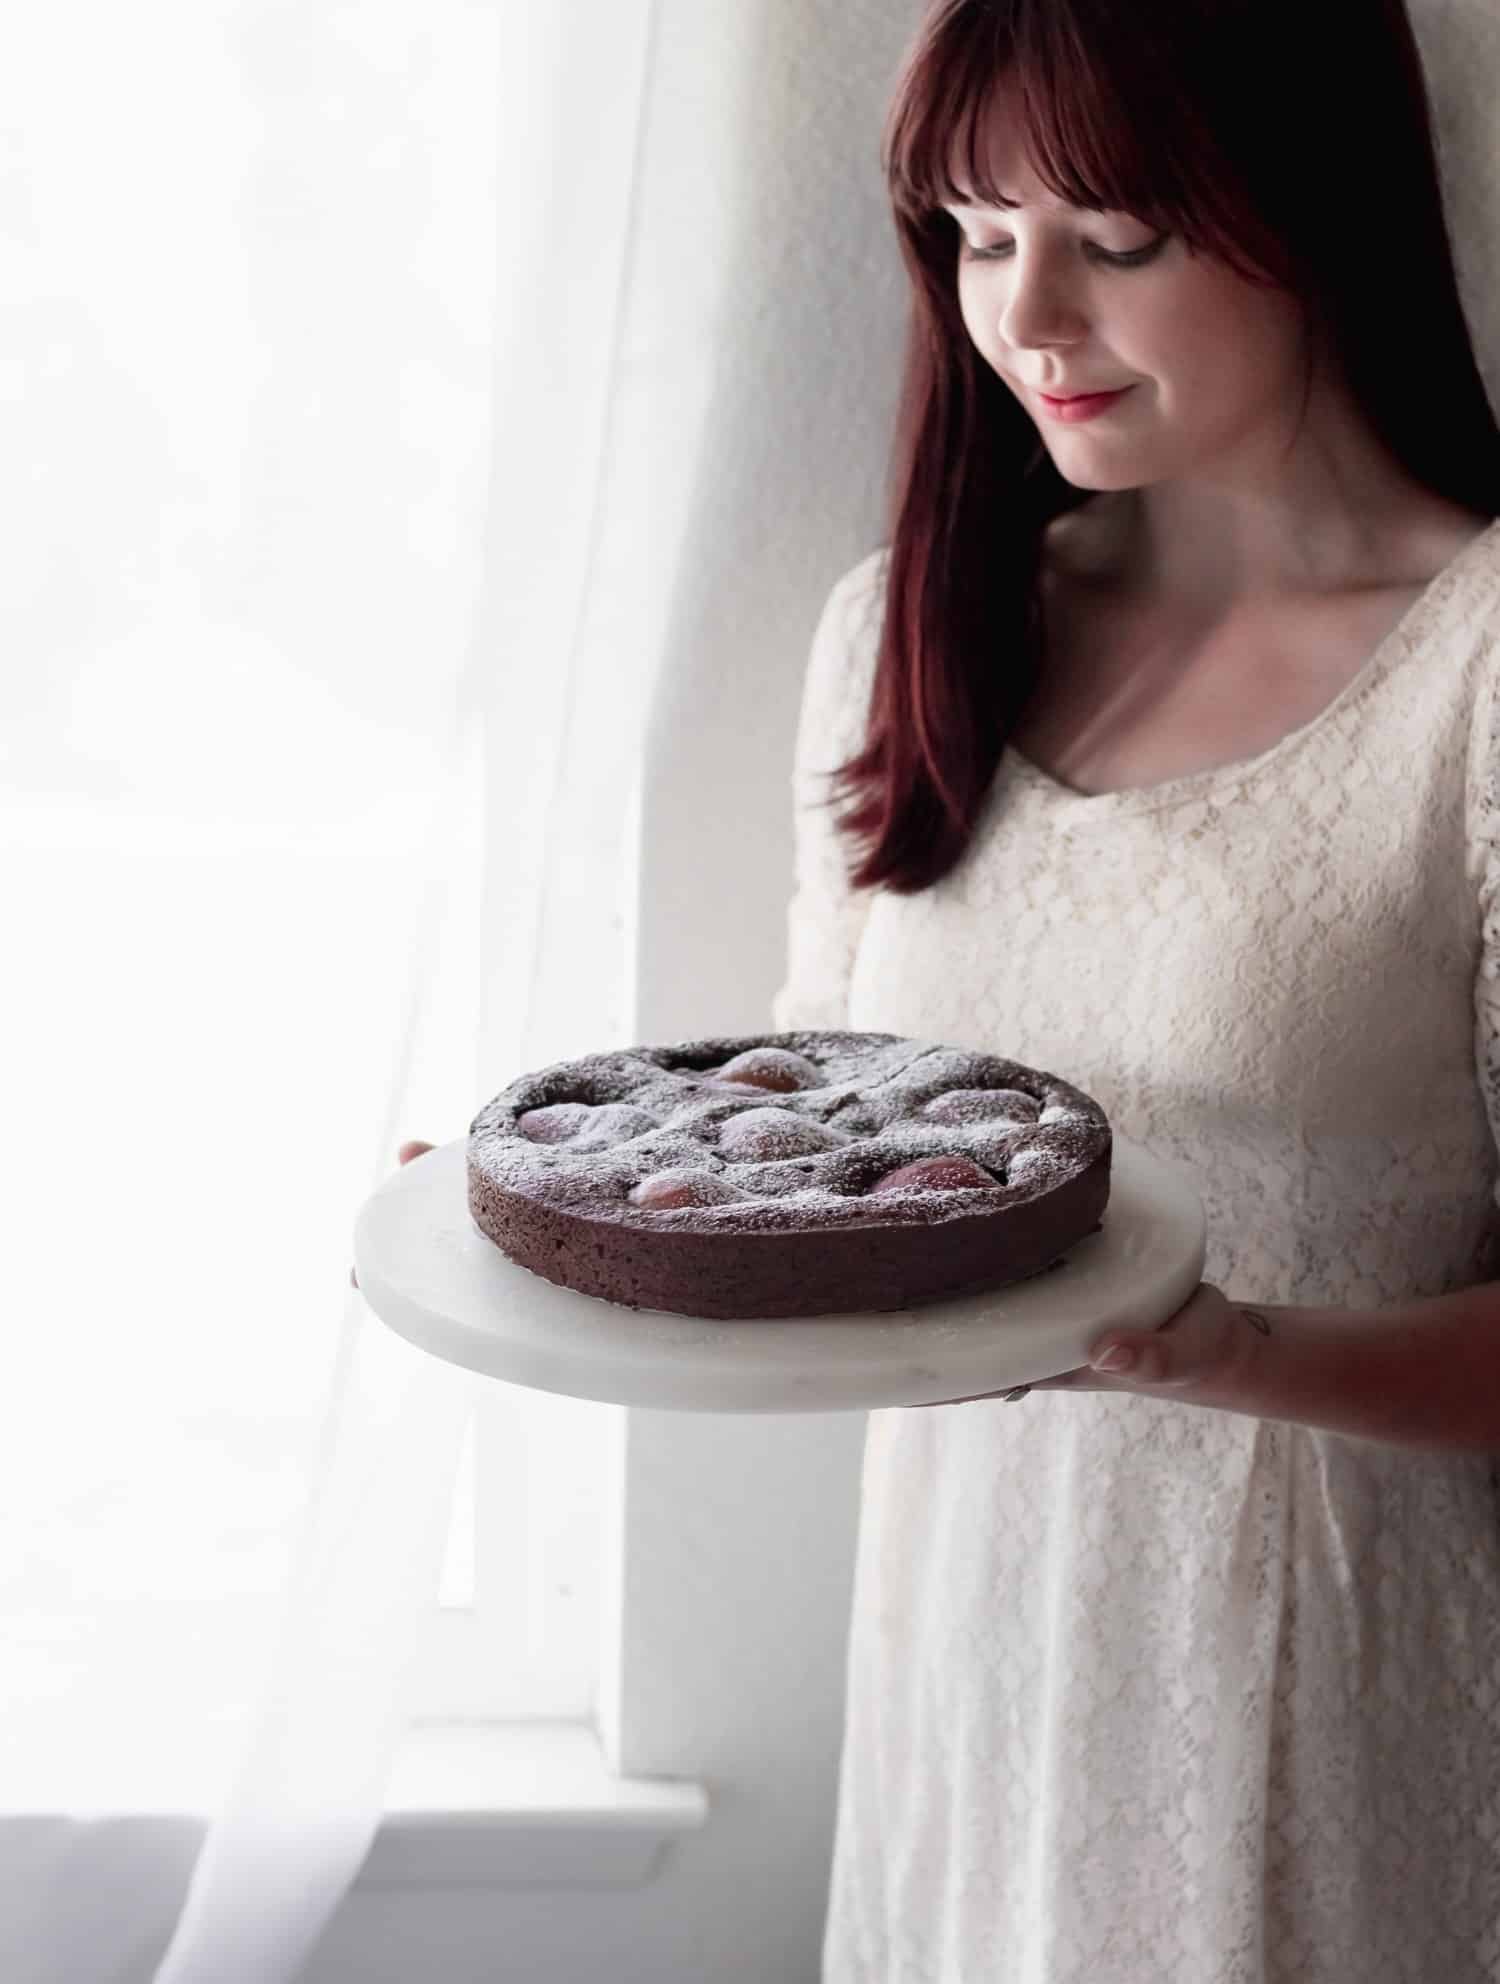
(1256, 1321)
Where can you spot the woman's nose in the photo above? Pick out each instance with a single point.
(1040, 306)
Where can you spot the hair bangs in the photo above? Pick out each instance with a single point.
(1105, 128)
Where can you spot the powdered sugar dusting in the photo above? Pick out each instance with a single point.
(797, 1159)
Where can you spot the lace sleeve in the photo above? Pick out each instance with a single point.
(825, 916)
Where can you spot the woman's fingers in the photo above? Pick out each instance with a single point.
(407, 1152)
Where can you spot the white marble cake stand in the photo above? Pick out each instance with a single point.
(432, 1276)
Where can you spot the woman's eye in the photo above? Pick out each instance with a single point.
(1128, 258)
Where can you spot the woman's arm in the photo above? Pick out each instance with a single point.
(1426, 1374)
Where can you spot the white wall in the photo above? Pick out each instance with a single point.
(743, 1692)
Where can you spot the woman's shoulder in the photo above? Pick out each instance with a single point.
(1466, 615)
(1473, 630)
(1477, 551)
(1460, 542)
(849, 629)
(841, 668)
(863, 586)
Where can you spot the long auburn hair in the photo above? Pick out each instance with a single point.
(1234, 124)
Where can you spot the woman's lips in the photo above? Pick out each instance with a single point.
(1083, 407)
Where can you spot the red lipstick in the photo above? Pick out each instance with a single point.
(1083, 406)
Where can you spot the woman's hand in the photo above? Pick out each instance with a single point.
(403, 1156)
(1203, 1353)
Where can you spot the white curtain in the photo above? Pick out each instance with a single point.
(366, 380)
(250, 294)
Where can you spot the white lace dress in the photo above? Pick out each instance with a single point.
(1141, 1692)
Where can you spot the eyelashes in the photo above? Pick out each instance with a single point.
(1133, 258)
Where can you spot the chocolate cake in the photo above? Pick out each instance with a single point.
(788, 1174)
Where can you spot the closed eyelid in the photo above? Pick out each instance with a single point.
(1006, 234)
(1003, 252)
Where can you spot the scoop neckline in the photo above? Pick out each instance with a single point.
(1195, 785)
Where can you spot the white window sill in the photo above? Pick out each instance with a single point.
(469, 1804)
(534, 1803)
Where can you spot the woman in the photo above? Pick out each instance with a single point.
(1172, 733)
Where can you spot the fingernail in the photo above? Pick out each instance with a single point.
(1009, 1398)
(1119, 1357)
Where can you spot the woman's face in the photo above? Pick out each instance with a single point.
(1062, 301)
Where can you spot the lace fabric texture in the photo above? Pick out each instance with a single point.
(1141, 1692)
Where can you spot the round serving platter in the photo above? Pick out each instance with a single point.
(429, 1273)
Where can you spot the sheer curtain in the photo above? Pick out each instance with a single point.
(362, 375)
(251, 292)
